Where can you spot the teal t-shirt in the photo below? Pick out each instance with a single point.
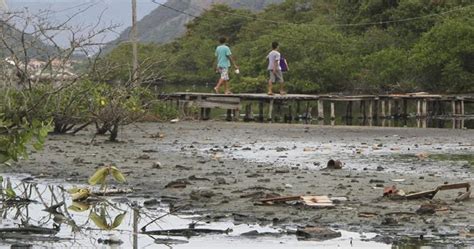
(222, 53)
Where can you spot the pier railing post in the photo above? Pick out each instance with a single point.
(320, 109)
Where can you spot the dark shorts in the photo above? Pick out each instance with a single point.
(274, 77)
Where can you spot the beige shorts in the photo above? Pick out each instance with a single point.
(224, 73)
(274, 77)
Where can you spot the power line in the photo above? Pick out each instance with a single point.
(177, 10)
(320, 25)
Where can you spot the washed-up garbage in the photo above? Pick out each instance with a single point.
(308, 200)
(392, 191)
(317, 233)
(334, 164)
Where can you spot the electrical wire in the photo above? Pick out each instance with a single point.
(321, 25)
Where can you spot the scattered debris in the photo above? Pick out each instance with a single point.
(398, 180)
(422, 155)
(182, 167)
(180, 183)
(426, 208)
(198, 178)
(334, 164)
(167, 241)
(200, 194)
(317, 233)
(311, 201)
(143, 157)
(394, 192)
(156, 165)
(173, 121)
(187, 232)
(151, 202)
(110, 242)
(367, 215)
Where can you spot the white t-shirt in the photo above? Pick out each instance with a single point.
(272, 57)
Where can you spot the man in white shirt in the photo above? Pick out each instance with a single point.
(275, 70)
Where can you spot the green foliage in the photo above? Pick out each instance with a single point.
(21, 124)
(445, 56)
(364, 46)
(249, 85)
(162, 111)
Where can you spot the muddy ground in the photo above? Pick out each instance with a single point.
(227, 167)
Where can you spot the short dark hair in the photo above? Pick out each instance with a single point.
(275, 45)
(222, 40)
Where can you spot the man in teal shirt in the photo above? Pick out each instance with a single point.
(224, 58)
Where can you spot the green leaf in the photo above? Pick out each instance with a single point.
(9, 190)
(118, 220)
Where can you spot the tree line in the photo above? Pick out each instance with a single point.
(356, 46)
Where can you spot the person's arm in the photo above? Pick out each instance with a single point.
(275, 66)
(287, 66)
(231, 58)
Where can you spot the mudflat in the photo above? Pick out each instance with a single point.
(223, 169)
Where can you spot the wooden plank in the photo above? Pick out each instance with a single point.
(229, 100)
(206, 104)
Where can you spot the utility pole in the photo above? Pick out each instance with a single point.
(134, 39)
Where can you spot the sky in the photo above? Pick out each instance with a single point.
(114, 12)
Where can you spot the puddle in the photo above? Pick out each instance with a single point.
(116, 218)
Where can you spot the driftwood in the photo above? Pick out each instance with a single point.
(28, 230)
(187, 232)
(431, 193)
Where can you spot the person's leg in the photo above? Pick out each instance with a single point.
(219, 83)
(282, 88)
(282, 83)
(270, 83)
(225, 76)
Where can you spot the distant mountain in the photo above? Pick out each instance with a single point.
(165, 24)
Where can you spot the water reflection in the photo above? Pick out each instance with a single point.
(41, 215)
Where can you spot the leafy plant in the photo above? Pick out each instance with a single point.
(102, 220)
(100, 176)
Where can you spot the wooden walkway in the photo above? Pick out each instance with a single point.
(300, 105)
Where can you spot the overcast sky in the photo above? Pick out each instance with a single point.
(115, 11)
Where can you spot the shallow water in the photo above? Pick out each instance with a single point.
(76, 230)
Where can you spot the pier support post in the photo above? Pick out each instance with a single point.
(389, 112)
(349, 110)
(363, 109)
(371, 109)
(320, 109)
(424, 108)
(405, 108)
(462, 108)
(418, 108)
(382, 106)
(270, 110)
(298, 111)
(248, 112)
(260, 111)
(453, 104)
(333, 111)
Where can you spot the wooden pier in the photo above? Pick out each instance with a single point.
(299, 106)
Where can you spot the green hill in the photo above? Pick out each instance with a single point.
(165, 24)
